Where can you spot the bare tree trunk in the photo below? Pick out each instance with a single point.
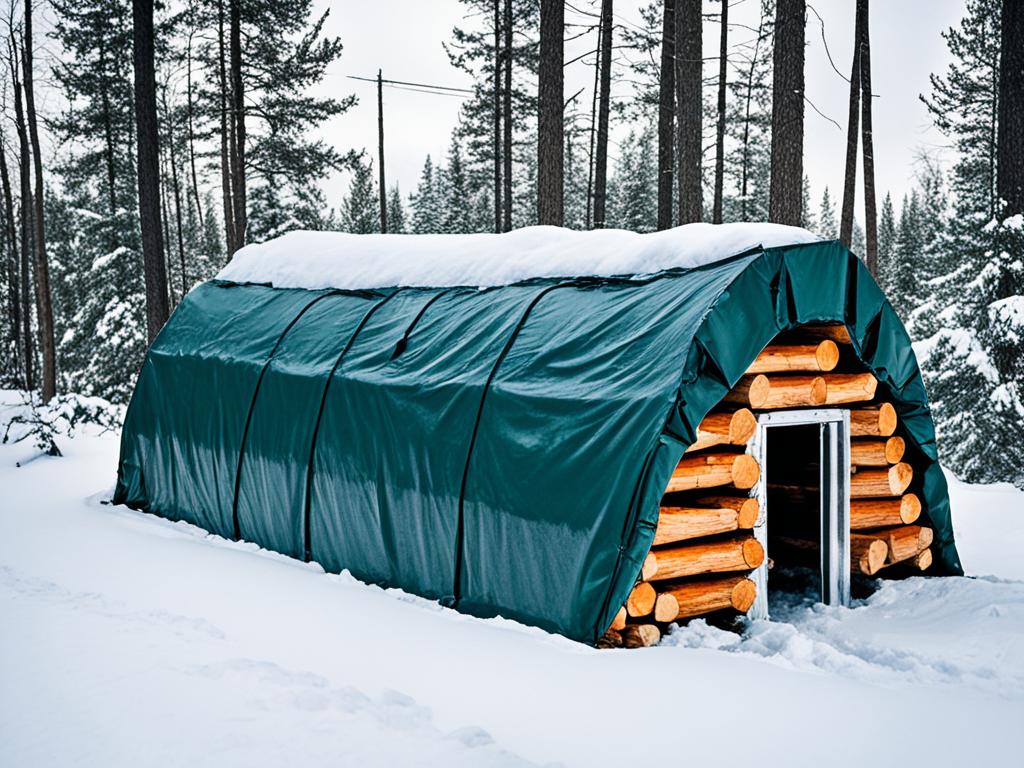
(108, 143)
(11, 241)
(507, 122)
(190, 126)
(786, 187)
(44, 303)
(165, 223)
(723, 51)
(26, 219)
(238, 110)
(227, 141)
(852, 130)
(603, 113)
(497, 115)
(689, 109)
(870, 208)
(745, 170)
(550, 119)
(593, 127)
(1010, 141)
(666, 114)
(149, 168)
(173, 159)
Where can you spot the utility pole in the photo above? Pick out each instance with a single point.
(380, 155)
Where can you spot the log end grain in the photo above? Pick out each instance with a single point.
(743, 595)
(641, 600)
(640, 635)
(666, 608)
(742, 426)
(887, 419)
(759, 390)
(747, 513)
(895, 447)
(910, 508)
(819, 391)
(753, 552)
(650, 566)
(900, 476)
(827, 355)
(745, 471)
(620, 619)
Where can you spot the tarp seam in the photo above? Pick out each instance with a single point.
(460, 523)
(235, 526)
(307, 497)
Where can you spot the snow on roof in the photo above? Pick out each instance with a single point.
(314, 260)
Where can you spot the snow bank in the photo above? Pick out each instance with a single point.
(313, 260)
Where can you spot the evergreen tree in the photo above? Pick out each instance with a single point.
(807, 218)
(634, 204)
(886, 239)
(575, 180)
(827, 226)
(360, 209)
(426, 203)
(455, 198)
(396, 211)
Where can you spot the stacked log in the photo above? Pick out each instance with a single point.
(704, 553)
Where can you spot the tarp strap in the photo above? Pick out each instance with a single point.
(306, 542)
(404, 341)
(236, 529)
(460, 527)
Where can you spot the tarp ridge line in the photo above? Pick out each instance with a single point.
(460, 524)
(235, 525)
(307, 496)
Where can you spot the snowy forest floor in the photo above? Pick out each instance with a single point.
(128, 640)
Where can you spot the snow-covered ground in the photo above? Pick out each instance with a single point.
(126, 640)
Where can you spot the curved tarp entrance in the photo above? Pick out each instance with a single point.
(503, 450)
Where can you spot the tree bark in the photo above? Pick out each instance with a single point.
(10, 237)
(507, 122)
(603, 112)
(689, 110)
(497, 116)
(852, 135)
(593, 127)
(238, 115)
(176, 187)
(723, 50)
(149, 167)
(1010, 141)
(666, 115)
(787, 172)
(870, 203)
(550, 121)
(44, 303)
(26, 219)
(191, 127)
(226, 138)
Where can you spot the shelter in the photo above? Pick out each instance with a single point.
(501, 439)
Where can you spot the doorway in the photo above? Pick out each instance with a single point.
(804, 497)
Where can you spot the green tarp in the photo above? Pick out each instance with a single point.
(503, 450)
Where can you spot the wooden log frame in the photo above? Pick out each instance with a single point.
(873, 421)
(879, 513)
(724, 428)
(741, 554)
(762, 392)
(868, 483)
(843, 388)
(699, 597)
(781, 358)
(684, 523)
(883, 452)
(641, 600)
(711, 470)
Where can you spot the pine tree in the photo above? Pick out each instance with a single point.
(426, 203)
(396, 211)
(455, 197)
(360, 210)
(635, 202)
(807, 218)
(886, 239)
(827, 226)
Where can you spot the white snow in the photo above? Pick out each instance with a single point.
(314, 260)
(127, 640)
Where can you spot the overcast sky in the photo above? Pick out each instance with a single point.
(404, 38)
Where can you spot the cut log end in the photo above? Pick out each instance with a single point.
(753, 552)
(868, 554)
(666, 608)
(641, 600)
(620, 619)
(742, 426)
(743, 595)
(745, 472)
(899, 477)
(650, 566)
(640, 635)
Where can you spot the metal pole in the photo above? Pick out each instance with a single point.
(380, 155)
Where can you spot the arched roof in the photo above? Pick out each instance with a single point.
(501, 449)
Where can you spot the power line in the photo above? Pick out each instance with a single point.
(417, 85)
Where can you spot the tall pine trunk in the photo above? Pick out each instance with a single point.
(506, 119)
(666, 114)
(870, 209)
(10, 237)
(550, 120)
(689, 109)
(496, 117)
(227, 141)
(787, 172)
(748, 103)
(723, 51)
(1010, 141)
(238, 115)
(44, 303)
(191, 128)
(149, 167)
(603, 113)
(852, 132)
(26, 220)
(176, 187)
